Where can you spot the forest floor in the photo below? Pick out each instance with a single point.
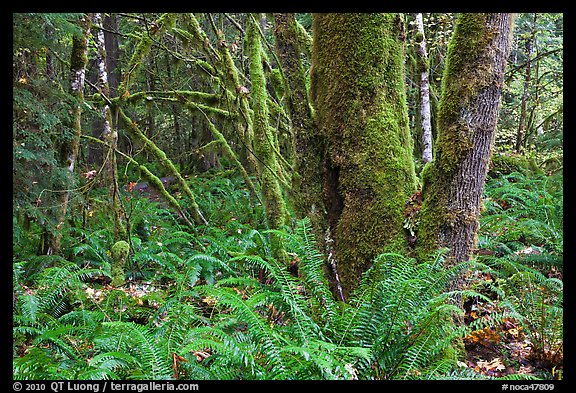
(505, 349)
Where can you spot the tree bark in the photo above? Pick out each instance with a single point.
(307, 196)
(112, 45)
(423, 65)
(358, 90)
(468, 113)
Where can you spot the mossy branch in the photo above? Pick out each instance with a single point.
(208, 98)
(165, 162)
(276, 211)
(150, 177)
(199, 37)
(230, 153)
(143, 47)
(221, 57)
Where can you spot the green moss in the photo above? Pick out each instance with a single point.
(79, 56)
(277, 82)
(304, 38)
(504, 164)
(462, 78)
(157, 28)
(360, 101)
(418, 37)
(120, 251)
(467, 72)
(264, 141)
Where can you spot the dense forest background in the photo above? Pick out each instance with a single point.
(272, 196)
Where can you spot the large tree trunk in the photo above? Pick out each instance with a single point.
(307, 195)
(358, 90)
(468, 113)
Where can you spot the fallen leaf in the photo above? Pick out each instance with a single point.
(494, 364)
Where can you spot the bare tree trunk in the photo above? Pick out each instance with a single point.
(112, 45)
(469, 107)
(69, 148)
(423, 65)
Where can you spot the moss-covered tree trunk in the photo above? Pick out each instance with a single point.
(307, 196)
(264, 140)
(69, 147)
(468, 113)
(358, 91)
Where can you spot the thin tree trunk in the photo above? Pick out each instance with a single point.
(112, 45)
(468, 113)
(69, 148)
(109, 134)
(423, 65)
(529, 45)
(276, 212)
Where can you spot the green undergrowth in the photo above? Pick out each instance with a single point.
(212, 302)
(523, 216)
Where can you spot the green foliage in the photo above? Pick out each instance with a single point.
(233, 315)
(537, 302)
(544, 101)
(402, 312)
(524, 215)
(522, 225)
(144, 349)
(213, 302)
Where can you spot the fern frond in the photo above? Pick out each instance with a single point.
(311, 267)
(139, 342)
(226, 350)
(402, 312)
(209, 265)
(57, 342)
(245, 311)
(29, 306)
(288, 288)
(94, 244)
(107, 363)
